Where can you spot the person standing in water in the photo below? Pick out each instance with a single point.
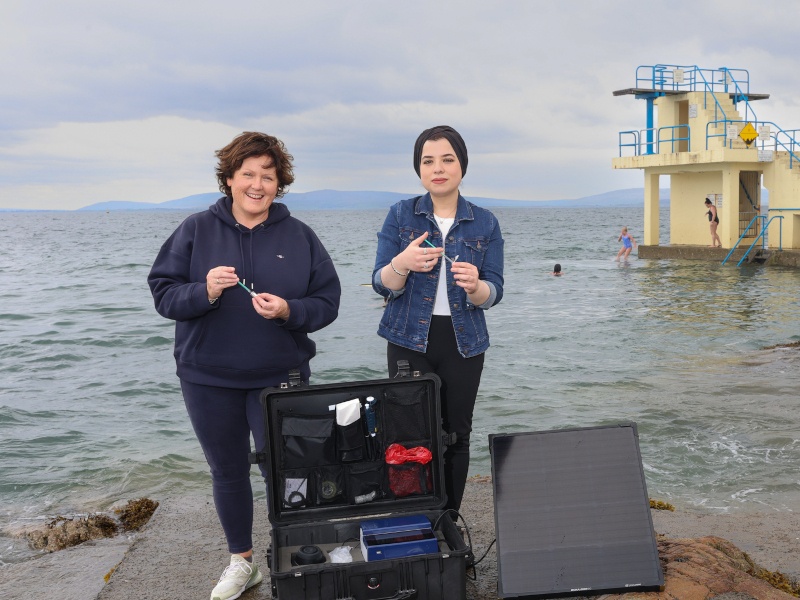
(628, 243)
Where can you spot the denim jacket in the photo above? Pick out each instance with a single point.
(474, 237)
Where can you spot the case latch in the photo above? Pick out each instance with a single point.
(257, 458)
(448, 439)
(294, 380)
(404, 370)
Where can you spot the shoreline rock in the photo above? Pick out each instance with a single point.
(65, 532)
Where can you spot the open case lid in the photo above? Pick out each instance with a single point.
(314, 470)
(572, 512)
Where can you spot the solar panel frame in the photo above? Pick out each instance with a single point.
(572, 513)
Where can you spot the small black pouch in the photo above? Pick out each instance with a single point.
(365, 482)
(308, 441)
(350, 430)
(350, 439)
(329, 485)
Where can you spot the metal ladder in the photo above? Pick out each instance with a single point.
(761, 254)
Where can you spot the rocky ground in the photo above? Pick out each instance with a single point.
(181, 552)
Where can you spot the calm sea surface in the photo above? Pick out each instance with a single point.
(91, 411)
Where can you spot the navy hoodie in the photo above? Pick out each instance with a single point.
(228, 344)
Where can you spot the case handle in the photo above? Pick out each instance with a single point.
(402, 595)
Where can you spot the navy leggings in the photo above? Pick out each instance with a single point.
(223, 420)
(460, 380)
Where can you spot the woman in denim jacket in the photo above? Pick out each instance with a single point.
(439, 266)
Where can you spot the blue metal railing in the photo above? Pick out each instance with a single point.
(635, 143)
(741, 237)
(690, 78)
(664, 135)
(761, 236)
(780, 140)
(710, 81)
(673, 138)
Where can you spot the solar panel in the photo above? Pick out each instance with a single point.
(572, 512)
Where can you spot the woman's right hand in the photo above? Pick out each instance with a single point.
(418, 255)
(218, 279)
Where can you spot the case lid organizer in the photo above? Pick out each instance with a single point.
(326, 449)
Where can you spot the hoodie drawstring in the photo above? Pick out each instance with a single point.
(241, 254)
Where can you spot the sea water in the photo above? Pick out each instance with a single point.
(91, 411)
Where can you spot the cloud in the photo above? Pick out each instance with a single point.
(109, 101)
(70, 164)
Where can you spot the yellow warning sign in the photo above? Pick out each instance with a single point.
(748, 134)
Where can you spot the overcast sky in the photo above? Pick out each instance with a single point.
(129, 100)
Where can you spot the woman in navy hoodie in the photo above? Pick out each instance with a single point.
(232, 342)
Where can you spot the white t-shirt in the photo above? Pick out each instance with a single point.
(441, 306)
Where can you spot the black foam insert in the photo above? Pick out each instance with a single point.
(572, 512)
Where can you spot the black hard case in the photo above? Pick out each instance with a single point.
(408, 412)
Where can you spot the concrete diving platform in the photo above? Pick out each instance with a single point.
(785, 258)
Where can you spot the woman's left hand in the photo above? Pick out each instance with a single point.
(466, 276)
(271, 307)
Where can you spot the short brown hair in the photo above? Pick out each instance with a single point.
(247, 145)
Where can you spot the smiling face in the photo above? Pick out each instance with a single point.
(439, 169)
(253, 188)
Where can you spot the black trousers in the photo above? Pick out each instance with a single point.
(460, 380)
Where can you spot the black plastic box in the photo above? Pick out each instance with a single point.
(325, 478)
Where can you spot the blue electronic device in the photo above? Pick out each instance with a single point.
(397, 537)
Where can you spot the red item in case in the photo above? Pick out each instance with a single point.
(413, 477)
(397, 455)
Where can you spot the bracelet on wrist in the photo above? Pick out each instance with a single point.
(391, 263)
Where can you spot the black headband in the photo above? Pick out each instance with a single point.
(448, 133)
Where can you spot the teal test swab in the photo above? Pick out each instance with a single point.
(249, 291)
(452, 260)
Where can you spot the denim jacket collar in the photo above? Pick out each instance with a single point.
(424, 206)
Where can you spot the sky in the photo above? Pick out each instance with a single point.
(124, 100)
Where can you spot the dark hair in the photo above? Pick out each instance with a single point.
(248, 145)
(437, 133)
(557, 268)
(708, 201)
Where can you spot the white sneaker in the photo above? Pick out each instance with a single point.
(236, 578)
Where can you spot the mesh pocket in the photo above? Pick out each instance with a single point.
(410, 479)
(365, 482)
(405, 415)
(330, 485)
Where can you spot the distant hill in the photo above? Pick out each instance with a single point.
(339, 200)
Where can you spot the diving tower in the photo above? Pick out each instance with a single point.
(702, 132)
